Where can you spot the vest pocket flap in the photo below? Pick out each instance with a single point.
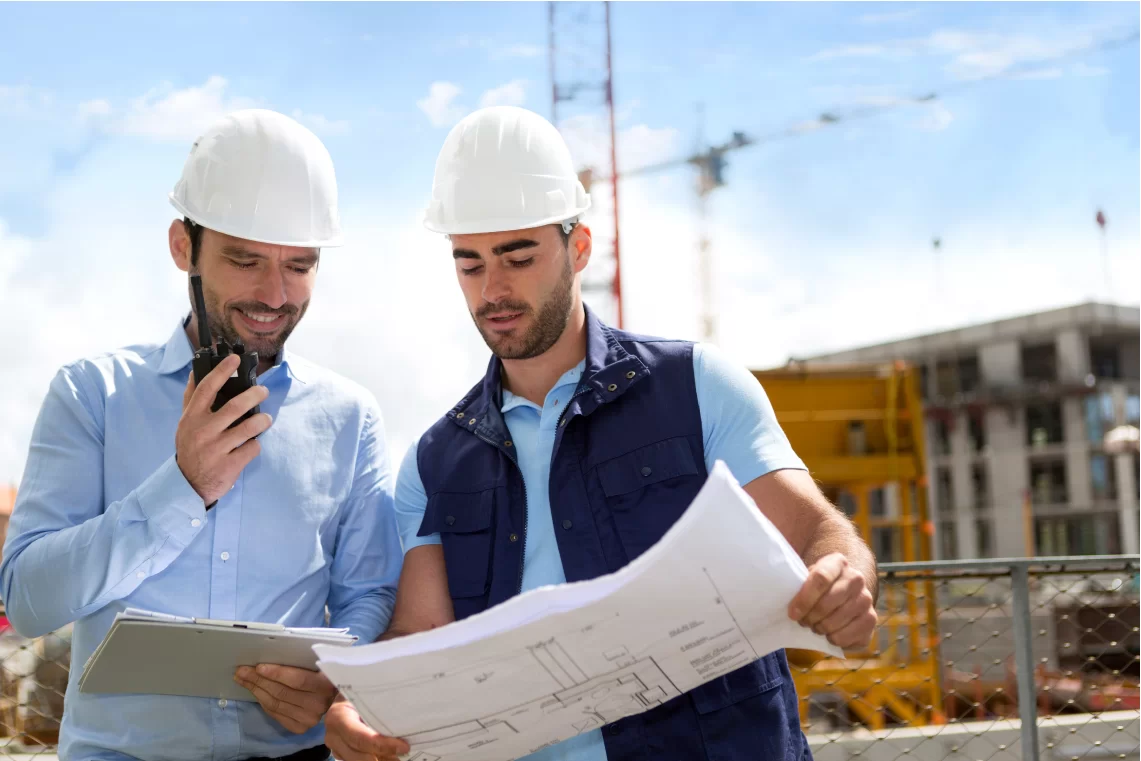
(734, 687)
(457, 513)
(649, 465)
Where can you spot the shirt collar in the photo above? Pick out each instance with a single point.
(569, 378)
(178, 353)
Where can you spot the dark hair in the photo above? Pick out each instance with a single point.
(195, 233)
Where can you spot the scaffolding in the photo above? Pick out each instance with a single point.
(859, 429)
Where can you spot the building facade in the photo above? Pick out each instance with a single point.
(1016, 413)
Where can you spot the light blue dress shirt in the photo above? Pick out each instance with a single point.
(738, 426)
(104, 519)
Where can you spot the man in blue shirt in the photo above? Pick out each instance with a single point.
(136, 494)
(581, 447)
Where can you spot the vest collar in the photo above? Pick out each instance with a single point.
(610, 370)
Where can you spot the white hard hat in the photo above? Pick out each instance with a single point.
(260, 176)
(504, 168)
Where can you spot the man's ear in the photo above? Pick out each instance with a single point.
(580, 245)
(179, 240)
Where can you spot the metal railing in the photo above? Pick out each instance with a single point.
(976, 660)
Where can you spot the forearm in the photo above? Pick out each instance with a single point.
(366, 616)
(52, 576)
(837, 535)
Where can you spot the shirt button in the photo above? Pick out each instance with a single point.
(567, 524)
(647, 471)
(222, 703)
(195, 523)
(225, 556)
(450, 520)
(140, 575)
(514, 537)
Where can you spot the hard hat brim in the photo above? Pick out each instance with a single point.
(500, 225)
(334, 242)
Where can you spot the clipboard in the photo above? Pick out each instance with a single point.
(157, 654)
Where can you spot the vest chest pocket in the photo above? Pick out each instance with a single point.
(648, 489)
(463, 521)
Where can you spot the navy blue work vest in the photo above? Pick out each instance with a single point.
(628, 460)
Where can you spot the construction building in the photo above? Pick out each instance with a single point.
(1016, 412)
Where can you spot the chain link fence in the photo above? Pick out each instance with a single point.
(998, 660)
(1002, 660)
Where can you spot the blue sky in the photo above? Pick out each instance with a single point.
(820, 242)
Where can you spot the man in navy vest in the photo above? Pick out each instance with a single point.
(580, 448)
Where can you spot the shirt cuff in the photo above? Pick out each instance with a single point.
(167, 499)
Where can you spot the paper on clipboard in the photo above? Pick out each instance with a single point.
(153, 653)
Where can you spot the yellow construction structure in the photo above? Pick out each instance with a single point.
(859, 429)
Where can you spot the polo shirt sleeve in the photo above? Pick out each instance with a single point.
(411, 502)
(738, 424)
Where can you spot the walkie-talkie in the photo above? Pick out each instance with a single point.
(208, 357)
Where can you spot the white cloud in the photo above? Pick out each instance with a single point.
(495, 51)
(1051, 73)
(166, 114)
(94, 108)
(322, 125)
(888, 17)
(439, 105)
(1082, 69)
(859, 51)
(588, 137)
(521, 50)
(972, 55)
(937, 117)
(513, 93)
(24, 100)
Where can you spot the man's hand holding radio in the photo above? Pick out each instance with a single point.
(209, 452)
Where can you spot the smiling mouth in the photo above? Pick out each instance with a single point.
(262, 322)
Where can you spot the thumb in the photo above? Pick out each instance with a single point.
(189, 392)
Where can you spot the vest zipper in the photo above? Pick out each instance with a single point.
(511, 456)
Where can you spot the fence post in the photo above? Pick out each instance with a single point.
(1024, 659)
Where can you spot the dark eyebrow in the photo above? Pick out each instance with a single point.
(500, 250)
(514, 245)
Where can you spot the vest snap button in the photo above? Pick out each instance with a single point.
(631, 374)
(459, 416)
(471, 422)
(514, 537)
(507, 443)
(450, 520)
(647, 471)
(612, 387)
(567, 524)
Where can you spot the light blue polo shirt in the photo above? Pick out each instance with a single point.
(738, 426)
